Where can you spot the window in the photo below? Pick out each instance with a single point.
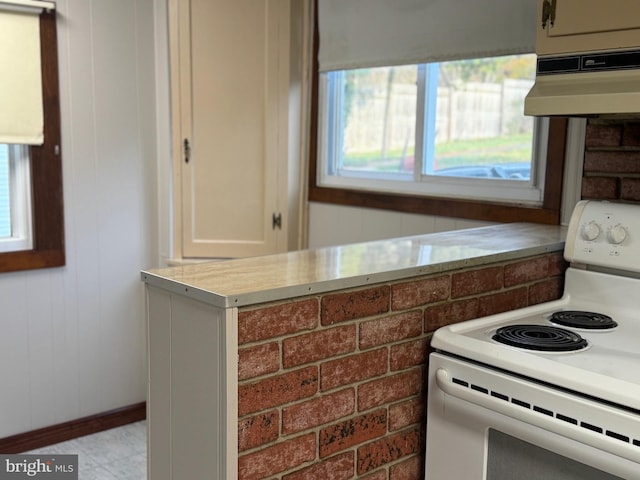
(5, 204)
(452, 129)
(15, 199)
(32, 176)
(445, 136)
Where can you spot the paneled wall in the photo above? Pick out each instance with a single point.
(331, 225)
(73, 338)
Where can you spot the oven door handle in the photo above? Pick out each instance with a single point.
(547, 422)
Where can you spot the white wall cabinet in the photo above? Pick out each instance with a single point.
(567, 26)
(230, 107)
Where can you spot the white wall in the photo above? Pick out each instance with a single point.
(337, 225)
(72, 339)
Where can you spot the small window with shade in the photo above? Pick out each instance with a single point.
(31, 206)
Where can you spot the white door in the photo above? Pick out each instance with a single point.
(230, 73)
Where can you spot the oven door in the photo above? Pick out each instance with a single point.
(485, 424)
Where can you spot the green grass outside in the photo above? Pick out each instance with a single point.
(515, 148)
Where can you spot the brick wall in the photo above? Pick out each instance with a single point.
(332, 386)
(612, 160)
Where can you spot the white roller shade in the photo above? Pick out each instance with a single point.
(370, 33)
(21, 111)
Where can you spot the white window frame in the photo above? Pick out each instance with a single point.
(508, 191)
(21, 237)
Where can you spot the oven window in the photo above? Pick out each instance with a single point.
(509, 457)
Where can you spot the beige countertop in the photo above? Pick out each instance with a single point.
(249, 281)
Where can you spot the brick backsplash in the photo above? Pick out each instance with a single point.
(612, 160)
(332, 386)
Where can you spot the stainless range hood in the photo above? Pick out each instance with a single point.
(586, 84)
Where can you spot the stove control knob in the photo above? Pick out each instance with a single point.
(591, 231)
(617, 234)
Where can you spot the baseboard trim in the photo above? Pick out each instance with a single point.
(43, 437)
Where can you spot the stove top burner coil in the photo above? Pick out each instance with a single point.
(540, 337)
(580, 319)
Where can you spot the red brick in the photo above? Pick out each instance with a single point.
(318, 411)
(526, 271)
(603, 135)
(318, 345)
(271, 322)
(278, 390)
(258, 360)
(630, 189)
(557, 264)
(602, 188)
(277, 458)
(407, 413)
(352, 432)
(450, 312)
(631, 136)
(421, 292)
(503, 301)
(340, 307)
(412, 469)
(387, 450)
(389, 389)
(612, 162)
(478, 281)
(353, 368)
(258, 430)
(390, 329)
(408, 354)
(546, 290)
(339, 467)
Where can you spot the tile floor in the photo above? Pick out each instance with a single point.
(117, 454)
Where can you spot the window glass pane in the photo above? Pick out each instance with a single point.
(15, 198)
(478, 127)
(377, 112)
(5, 208)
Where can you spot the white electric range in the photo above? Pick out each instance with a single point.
(550, 391)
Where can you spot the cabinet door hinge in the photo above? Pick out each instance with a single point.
(548, 13)
(276, 221)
